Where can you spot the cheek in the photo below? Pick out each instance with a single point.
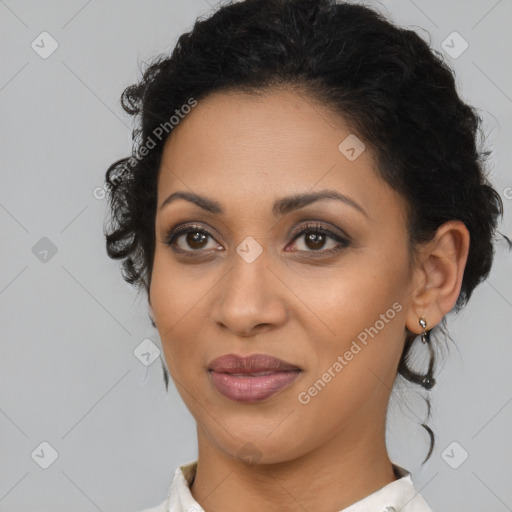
(356, 297)
(173, 292)
(355, 369)
(173, 303)
(163, 296)
(363, 303)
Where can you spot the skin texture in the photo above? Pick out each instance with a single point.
(244, 152)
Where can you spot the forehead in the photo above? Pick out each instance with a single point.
(238, 147)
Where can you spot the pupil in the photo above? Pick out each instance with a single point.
(316, 239)
(195, 238)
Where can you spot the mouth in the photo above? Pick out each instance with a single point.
(253, 378)
(250, 388)
(256, 363)
(251, 374)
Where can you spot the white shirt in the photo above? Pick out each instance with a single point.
(397, 496)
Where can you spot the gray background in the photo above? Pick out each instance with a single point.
(70, 325)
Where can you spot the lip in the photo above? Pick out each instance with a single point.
(252, 378)
(255, 363)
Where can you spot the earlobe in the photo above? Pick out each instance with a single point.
(438, 275)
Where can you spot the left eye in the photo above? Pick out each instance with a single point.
(196, 238)
(316, 236)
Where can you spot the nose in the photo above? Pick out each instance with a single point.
(250, 298)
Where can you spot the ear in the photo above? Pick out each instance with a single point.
(437, 276)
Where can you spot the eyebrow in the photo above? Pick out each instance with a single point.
(281, 206)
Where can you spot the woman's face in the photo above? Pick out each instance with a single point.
(332, 305)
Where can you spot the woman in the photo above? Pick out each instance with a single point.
(304, 205)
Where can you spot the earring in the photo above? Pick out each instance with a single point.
(425, 335)
(427, 381)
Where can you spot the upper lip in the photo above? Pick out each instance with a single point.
(233, 363)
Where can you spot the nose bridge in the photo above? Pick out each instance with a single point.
(249, 267)
(247, 298)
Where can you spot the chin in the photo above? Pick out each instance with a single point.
(253, 449)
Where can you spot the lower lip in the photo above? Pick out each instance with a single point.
(252, 389)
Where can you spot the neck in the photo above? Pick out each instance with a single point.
(317, 480)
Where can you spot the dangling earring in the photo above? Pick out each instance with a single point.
(425, 335)
(427, 381)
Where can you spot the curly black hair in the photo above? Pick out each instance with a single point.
(394, 91)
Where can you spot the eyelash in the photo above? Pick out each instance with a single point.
(172, 235)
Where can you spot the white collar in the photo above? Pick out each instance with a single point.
(397, 496)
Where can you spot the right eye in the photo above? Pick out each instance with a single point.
(193, 236)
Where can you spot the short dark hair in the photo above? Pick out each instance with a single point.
(391, 89)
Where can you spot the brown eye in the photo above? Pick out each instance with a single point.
(315, 238)
(194, 238)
